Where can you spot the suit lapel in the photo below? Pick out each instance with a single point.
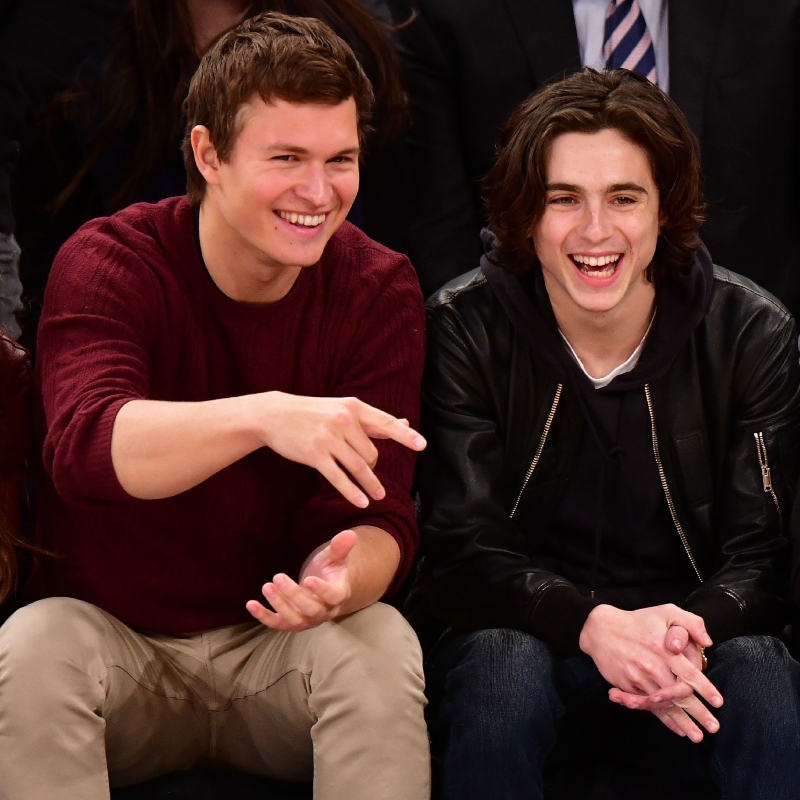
(546, 29)
(693, 29)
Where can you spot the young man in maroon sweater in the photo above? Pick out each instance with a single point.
(198, 364)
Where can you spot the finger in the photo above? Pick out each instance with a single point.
(677, 691)
(677, 639)
(355, 436)
(693, 624)
(265, 616)
(337, 478)
(332, 593)
(635, 702)
(693, 707)
(359, 469)
(684, 723)
(689, 673)
(646, 676)
(667, 720)
(341, 545)
(282, 606)
(639, 702)
(379, 425)
(309, 605)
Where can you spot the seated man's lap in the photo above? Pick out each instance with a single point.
(492, 689)
(242, 696)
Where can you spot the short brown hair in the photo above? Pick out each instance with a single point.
(274, 56)
(515, 190)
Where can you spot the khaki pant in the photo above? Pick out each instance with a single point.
(86, 702)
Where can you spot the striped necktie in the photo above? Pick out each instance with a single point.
(628, 43)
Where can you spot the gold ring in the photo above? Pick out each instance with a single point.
(703, 659)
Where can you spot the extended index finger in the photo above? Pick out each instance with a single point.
(378, 424)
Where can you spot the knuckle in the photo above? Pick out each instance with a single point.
(342, 415)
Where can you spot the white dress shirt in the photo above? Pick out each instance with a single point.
(590, 20)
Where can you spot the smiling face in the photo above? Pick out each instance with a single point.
(600, 226)
(287, 187)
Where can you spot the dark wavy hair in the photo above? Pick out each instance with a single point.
(515, 190)
(298, 59)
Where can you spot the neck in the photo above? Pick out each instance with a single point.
(239, 270)
(210, 18)
(604, 340)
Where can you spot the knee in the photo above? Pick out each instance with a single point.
(501, 672)
(376, 643)
(369, 662)
(46, 634)
(755, 672)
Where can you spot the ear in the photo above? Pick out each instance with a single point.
(205, 156)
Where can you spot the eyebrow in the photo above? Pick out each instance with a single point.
(616, 187)
(302, 151)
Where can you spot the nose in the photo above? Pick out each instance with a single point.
(315, 186)
(595, 224)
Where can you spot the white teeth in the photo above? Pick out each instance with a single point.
(306, 220)
(596, 261)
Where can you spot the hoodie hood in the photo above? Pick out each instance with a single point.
(681, 302)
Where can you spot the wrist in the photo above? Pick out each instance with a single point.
(257, 416)
(594, 626)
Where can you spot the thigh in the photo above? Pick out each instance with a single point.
(326, 702)
(88, 691)
(756, 753)
(494, 712)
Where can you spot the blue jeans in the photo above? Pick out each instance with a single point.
(499, 697)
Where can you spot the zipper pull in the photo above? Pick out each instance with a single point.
(767, 479)
(761, 447)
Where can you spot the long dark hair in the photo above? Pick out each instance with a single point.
(147, 72)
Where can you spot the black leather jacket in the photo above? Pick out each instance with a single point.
(502, 430)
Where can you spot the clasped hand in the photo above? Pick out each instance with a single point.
(652, 659)
(324, 586)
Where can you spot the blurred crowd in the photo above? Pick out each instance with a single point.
(92, 91)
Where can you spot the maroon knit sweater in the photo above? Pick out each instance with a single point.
(130, 312)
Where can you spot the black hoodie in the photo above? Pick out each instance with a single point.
(613, 536)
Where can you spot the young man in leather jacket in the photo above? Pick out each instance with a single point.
(613, 431)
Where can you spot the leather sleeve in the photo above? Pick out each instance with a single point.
(747, 593)
(476, 572)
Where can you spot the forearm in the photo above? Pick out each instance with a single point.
(160, 449)
(371, 564)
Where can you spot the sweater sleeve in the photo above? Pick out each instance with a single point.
(99, 313)
(382, 366)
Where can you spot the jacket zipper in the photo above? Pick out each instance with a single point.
(667, 493)
(538, 449)
(766, 475)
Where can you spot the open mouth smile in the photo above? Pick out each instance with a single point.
(597, 266)
(302, 220)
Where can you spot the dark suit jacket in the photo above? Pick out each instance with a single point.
(733, 70)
